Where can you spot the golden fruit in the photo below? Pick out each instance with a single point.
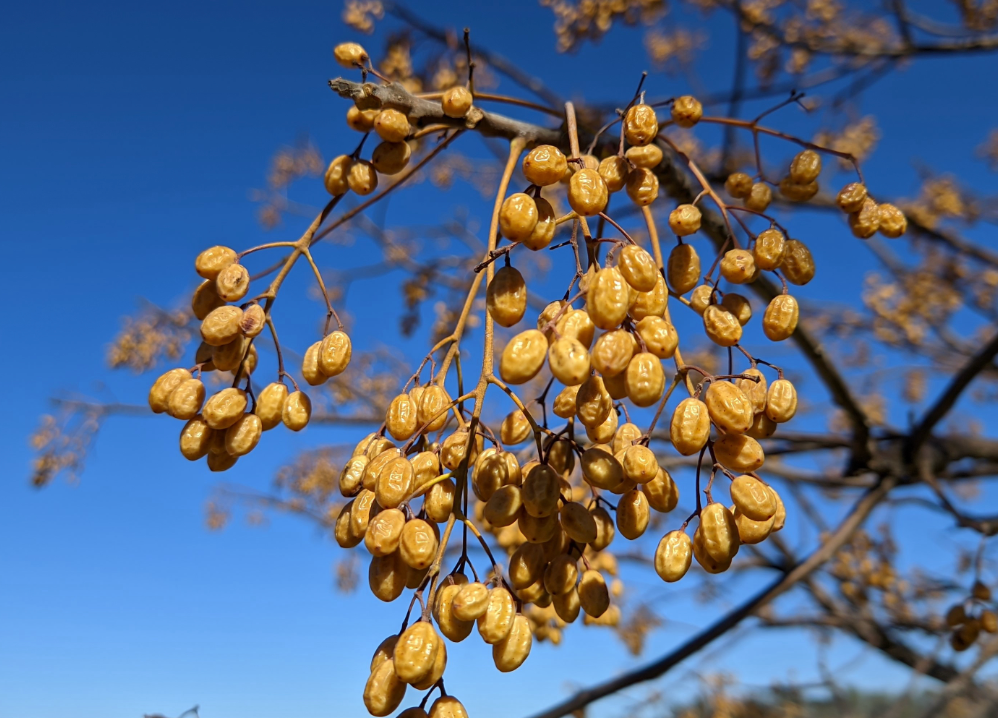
(796, 192)
(673, 556)
(506, 297)
(334, 353)
(417, 543)
(614, 170)
(798, 264)
(592, 403)
(221, 326)
(738, 185)
(601, 469)
(770, 248)
(753, 498)
(228, 356)
(754, 391)
(642, 186)
(497, 621)
(633, 514)
(578, 523)
(352, 475)
(603, 433)
(510, 652)
(587, 193)
(456, 101)
(640, 464)
(543, 231)
(195, 438)
(645, 379)
(738, 266)
(752, 532)
(781, 401)
(684, 220)
(865, 222)
(728, 407)
(159, 393)
(739, 306)
(391, 125)
(433, 408)
(762, 426)
(686, 111)
(523, 357)
(297, 411)
(561, 574)
(447, 707)
(893, 223)
(205, 299)
(718, 532)
(648, 156)
(416, 651)
(739, 452)
(640, 125)
(650, 304)
(310, 368)
(455, 448)
(361, 509)
(700, 298)
(576, 324)
(390, 158)
(690, 426)
(683, 268)
(395, 483)
(384, 531)
(605, 529)
(515, 428)
(806, 167)
(851, 197)
(232, 283)
(400, 420)
(540, 491)
(213, 260)
(593, 594)
(660, 337)
(638, 268)
(360, 120)
(611, 354)
(568, 359)
(721, 326)
(662, 492)
(439, 501)
(544, 165)
(607, 298)
(780, 319)
(759, 197)
(337, 174)
(517, 217)
(350, 55)
(624, 437)
(362, 177)
(387, 576)
(452, 627)
(242, 437)
(471, 602)
(384, 691)
(225, 408)
(781, 511)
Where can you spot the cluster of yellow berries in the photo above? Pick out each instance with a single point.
(228, 425)
(552, 515)
(971, 616)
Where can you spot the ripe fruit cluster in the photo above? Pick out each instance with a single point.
(230, 423)
(556, 505)
(971, 616)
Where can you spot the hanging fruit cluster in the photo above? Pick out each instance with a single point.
(556, 504)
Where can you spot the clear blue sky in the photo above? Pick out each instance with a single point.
(129, 137)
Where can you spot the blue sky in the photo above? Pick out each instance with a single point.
(130, 137)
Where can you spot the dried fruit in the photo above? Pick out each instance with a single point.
(642, 186)
(568, 359)
(770, 248)
(456, 101)
(721, 326)
(418, 544)
(242, 437)
(384, 691)
(384, 532)
(337, 174)
(350, 55)
(432, 408)
(510, 652)
(523, 356)
(893, 223)
(738, 185)
(159, 393)
(759, 197)
(686, 111)
(232, 282)
(221, 326)
(865, 221)
(593, 594)
(391, 125)
(497, 621)
(471, 602)
(683, 269)
(638, 268)
(685, 220)
(690, 426)
(195, 438)
(659, 336)
(544, 165)
(633, 514)
(644, 379)
(806, 167)
(851, 197)
(587, 193)
(210, 263)
(753, 498)
(673, 556)
(728, 407)
(640, 125)
(610, 356)
(297, 411)
(517, 217)
(739, 452)
(386, 576)
(506, 297)
(780, 319)
(390, 158)
(225, 408)
(738, 266)
(362, 177)
(718, 533)
(798, 264)
(781, 401)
